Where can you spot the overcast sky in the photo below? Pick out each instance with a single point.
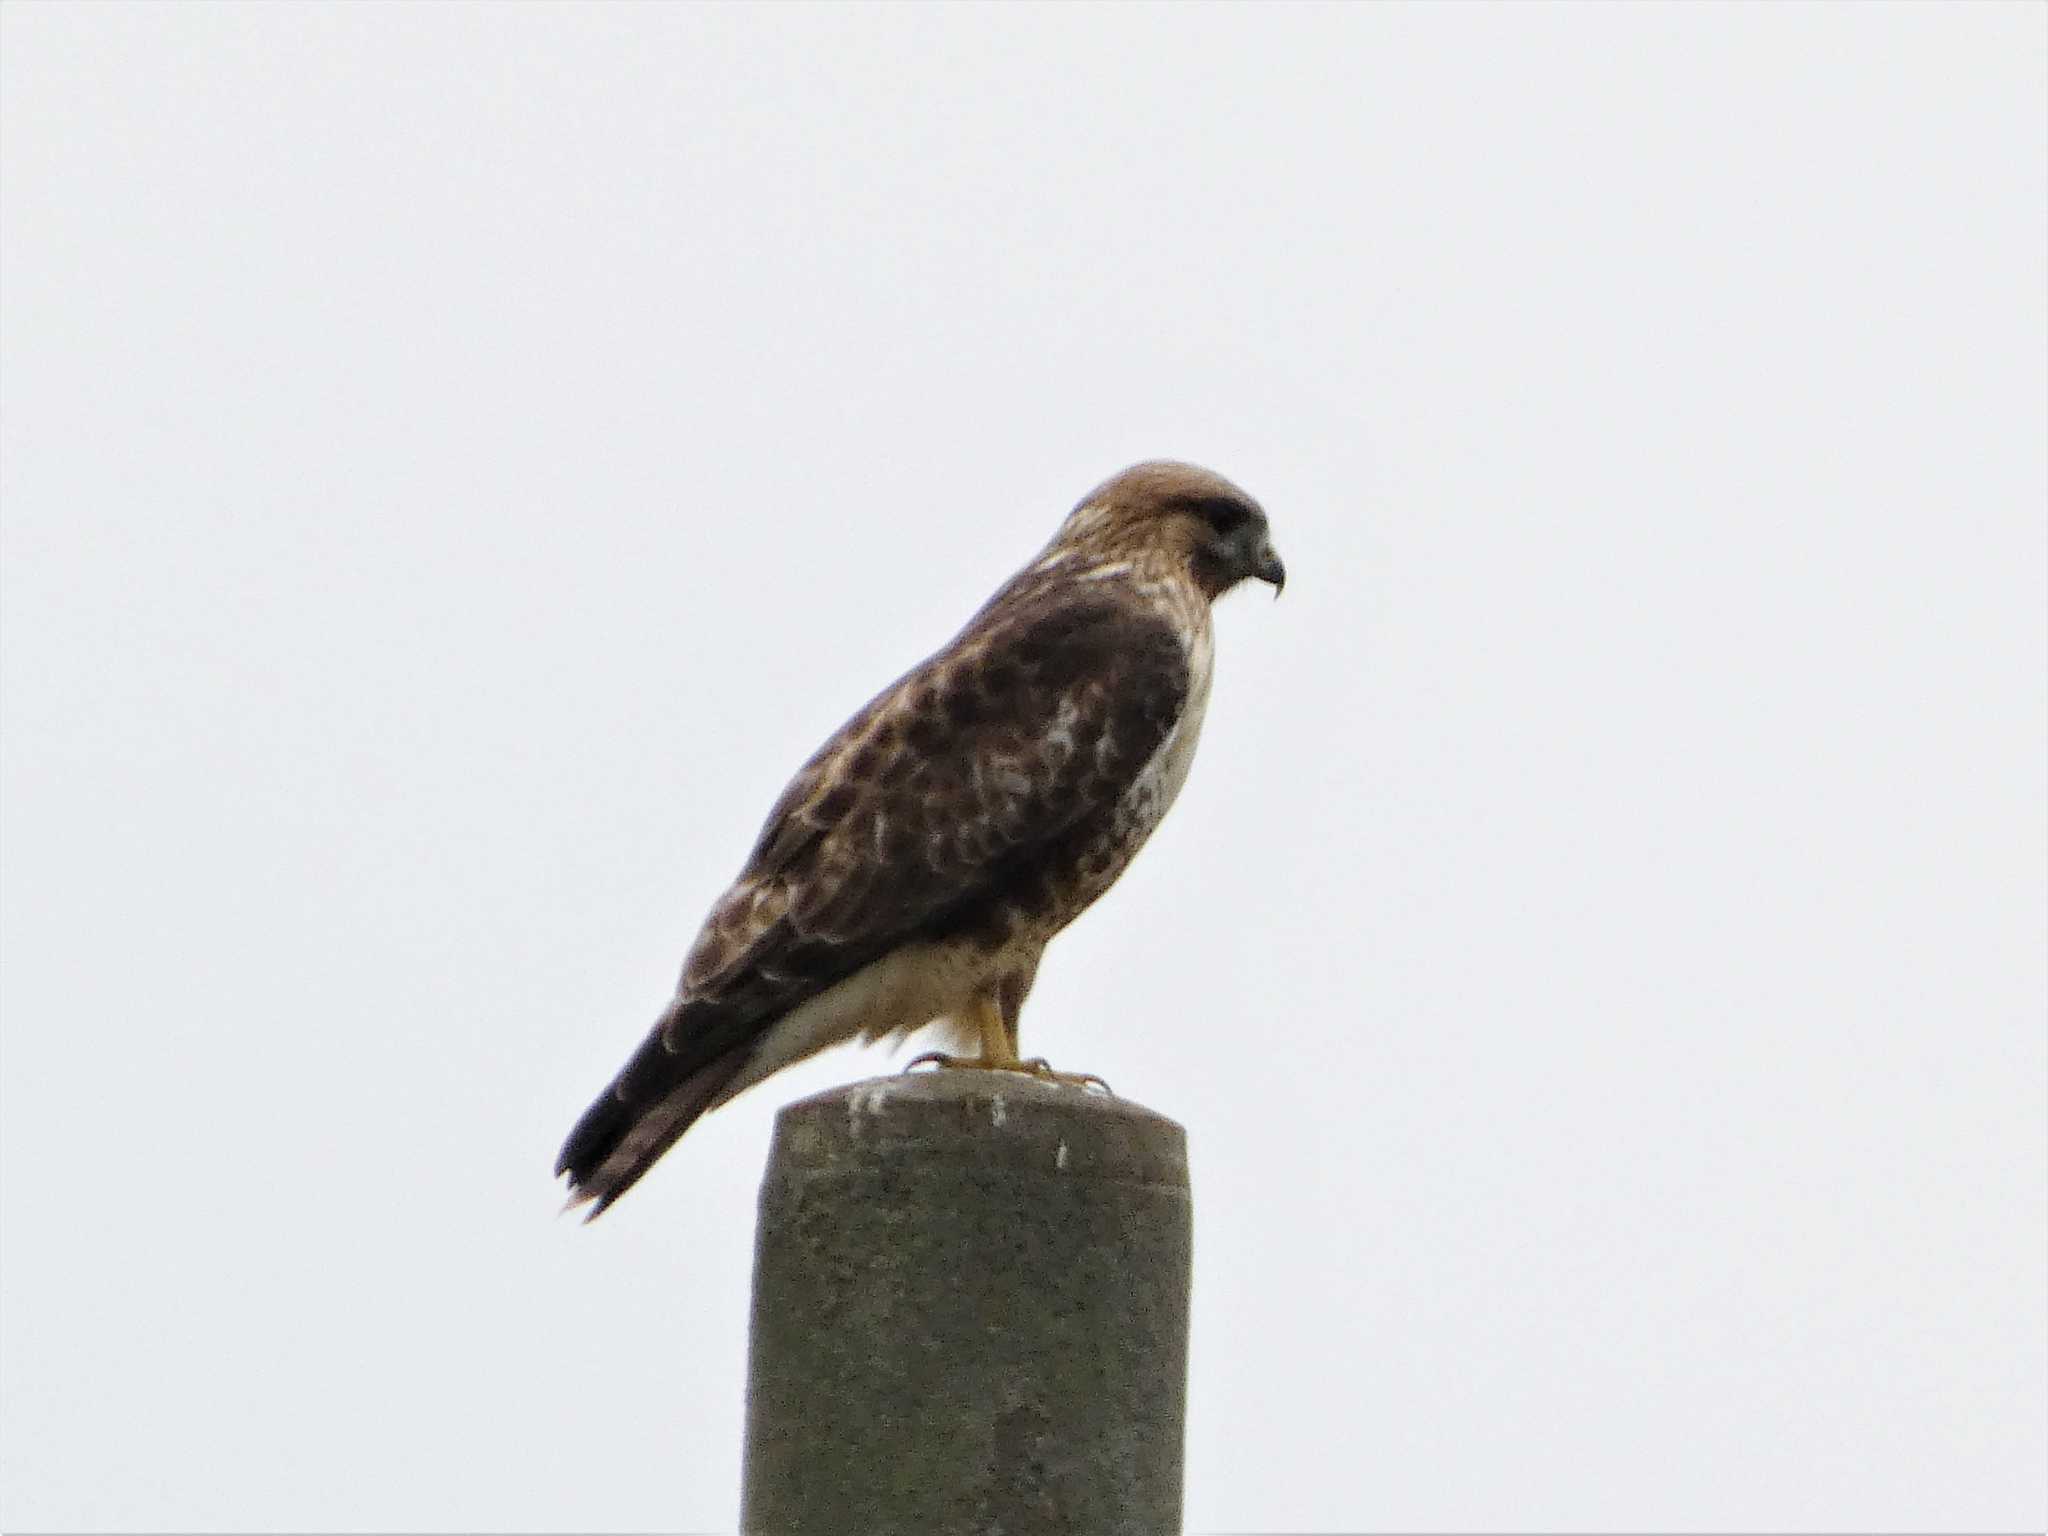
(456, 462)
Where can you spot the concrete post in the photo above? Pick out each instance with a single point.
(970, 1313)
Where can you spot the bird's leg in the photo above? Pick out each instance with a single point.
(1010, 1012)
(999, 1052)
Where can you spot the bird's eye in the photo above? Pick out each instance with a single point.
(1225, 514)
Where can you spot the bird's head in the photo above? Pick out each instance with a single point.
(1195, 517)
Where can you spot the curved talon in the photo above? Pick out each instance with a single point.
(938, 1059)
(1039, 1067)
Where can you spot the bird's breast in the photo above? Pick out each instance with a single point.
(1116, 839)
(1159, 782)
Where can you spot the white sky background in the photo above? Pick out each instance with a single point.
(457, 462)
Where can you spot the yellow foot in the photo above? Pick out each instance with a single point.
(1037, 1067)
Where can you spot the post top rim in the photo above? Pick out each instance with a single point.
(994, 1118)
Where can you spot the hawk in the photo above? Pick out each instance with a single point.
(916, 867)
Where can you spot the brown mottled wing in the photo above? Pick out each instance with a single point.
(939, 796)
(1036, 719)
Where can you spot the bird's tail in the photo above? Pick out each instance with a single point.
(680, 1071)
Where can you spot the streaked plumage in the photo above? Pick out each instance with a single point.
(916, 867)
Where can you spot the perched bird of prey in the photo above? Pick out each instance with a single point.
(916, 867)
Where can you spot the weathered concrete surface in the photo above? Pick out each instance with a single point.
(970, 1313)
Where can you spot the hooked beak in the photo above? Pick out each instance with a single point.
(1269, 567)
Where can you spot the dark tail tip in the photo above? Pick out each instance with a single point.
(659, 1095)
